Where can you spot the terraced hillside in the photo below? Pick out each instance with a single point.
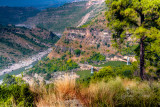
(20, 42)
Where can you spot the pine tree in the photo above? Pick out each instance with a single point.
(138, 18)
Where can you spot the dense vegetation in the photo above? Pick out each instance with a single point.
(94, 58)
(15, 92)
(111, 63)
(51, 66)
(139, 19)
(114, 85)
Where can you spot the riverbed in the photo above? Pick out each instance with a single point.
(17, 68)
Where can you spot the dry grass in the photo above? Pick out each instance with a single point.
(120, 92)
(116, 92)
(62, 94)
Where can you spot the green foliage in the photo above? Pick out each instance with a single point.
(80, 46)
(139, 18)
(110, 71)
(85, 77)
(50, 66)
(66, 41)
(112, 64)
(84, 74)
(8, 80)
(125, 71)
(98, 45)
(96, 57)
(15, 92)
(77, 52)
(105, 73)
(129, 50)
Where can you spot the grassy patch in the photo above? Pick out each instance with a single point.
(84, 74)
(111, 63)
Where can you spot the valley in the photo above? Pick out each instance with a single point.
(84, 53)
(17, 43)
(22, 65)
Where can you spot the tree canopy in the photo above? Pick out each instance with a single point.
(139, 19)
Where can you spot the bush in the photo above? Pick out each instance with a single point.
(80, 46)
(15, 92)
(105, 73)
(96, 57)
(98, 45)
(77, 52)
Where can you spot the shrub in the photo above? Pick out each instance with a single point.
(105, 73)
(16, 93)
(96, 57)
(98, 45)
(80, 46)
(77, 52)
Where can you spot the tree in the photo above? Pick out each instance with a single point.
(139, 18)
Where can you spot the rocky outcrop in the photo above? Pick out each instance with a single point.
(88, 36)
(85, 39)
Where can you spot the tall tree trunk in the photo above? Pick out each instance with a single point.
(142, 69)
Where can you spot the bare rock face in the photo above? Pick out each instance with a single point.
(90, 36)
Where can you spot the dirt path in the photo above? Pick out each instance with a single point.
(84, 19)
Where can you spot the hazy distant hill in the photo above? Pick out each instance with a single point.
(68, 15)
(56, 19)
(18, 42)
(40, 4)
(15, 15)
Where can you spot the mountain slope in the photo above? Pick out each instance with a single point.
(18, 42)
(16, 15)
(68, 15)
(87, 40)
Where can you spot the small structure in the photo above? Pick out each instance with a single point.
(128, 61)
(92, 70)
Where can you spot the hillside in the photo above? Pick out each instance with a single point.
(98, 21)
(20, 42)
(86, 40)
(68, 15)
(16, 15)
